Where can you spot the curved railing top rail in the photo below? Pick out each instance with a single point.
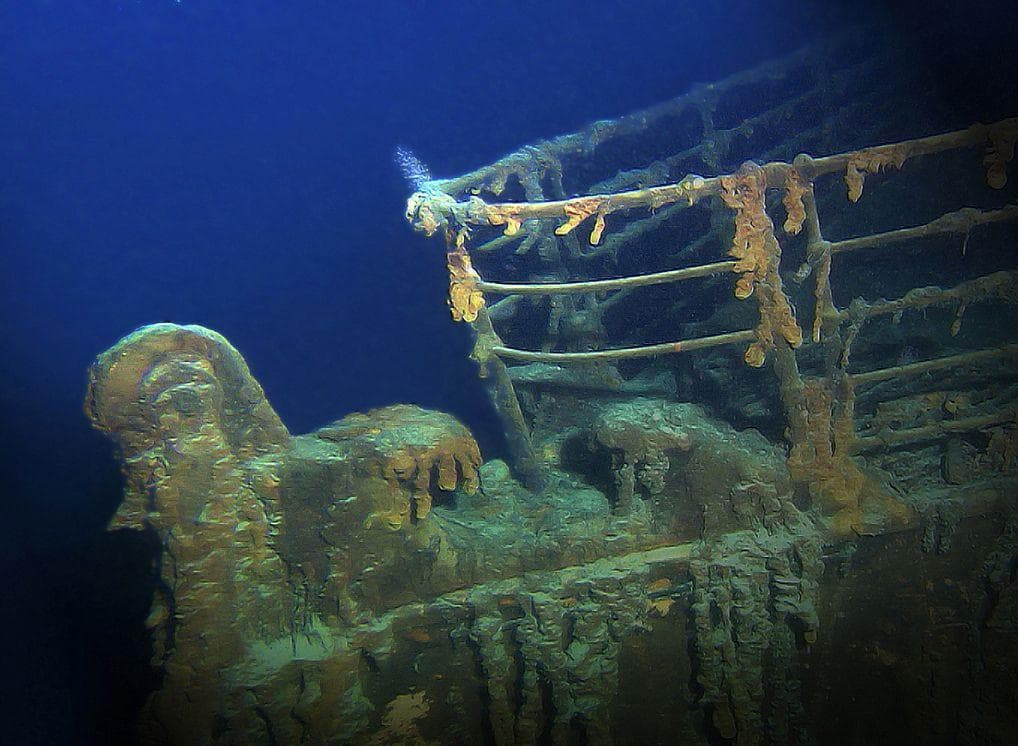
(431, 209)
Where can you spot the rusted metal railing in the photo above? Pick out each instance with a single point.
(820, 411)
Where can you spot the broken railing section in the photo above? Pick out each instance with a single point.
(1001, 287)
(822, 417)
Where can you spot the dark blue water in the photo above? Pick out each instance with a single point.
(230, 164)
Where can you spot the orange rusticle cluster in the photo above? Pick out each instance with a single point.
(795, 189)
(850, 500)
(757, 252)
(744, 192)
(507, 215)
(872, 161)
(576, 212)
(999, 153)
(465, 297)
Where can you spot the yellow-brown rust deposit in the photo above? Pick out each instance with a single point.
(465, 297)
(577, 211)
(506, 215)
(872, 161)
(852, 501)
(795, 190)
(412, 449)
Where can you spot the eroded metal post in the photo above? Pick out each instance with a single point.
(466, 303)
(524, 461)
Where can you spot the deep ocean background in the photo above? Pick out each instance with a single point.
(230, 164)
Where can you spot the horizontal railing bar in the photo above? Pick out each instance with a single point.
(665, 348)
(930, 432)
(968, 137)
(1000, 285)
(911, 369)
(592, 286)
(960, 221)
